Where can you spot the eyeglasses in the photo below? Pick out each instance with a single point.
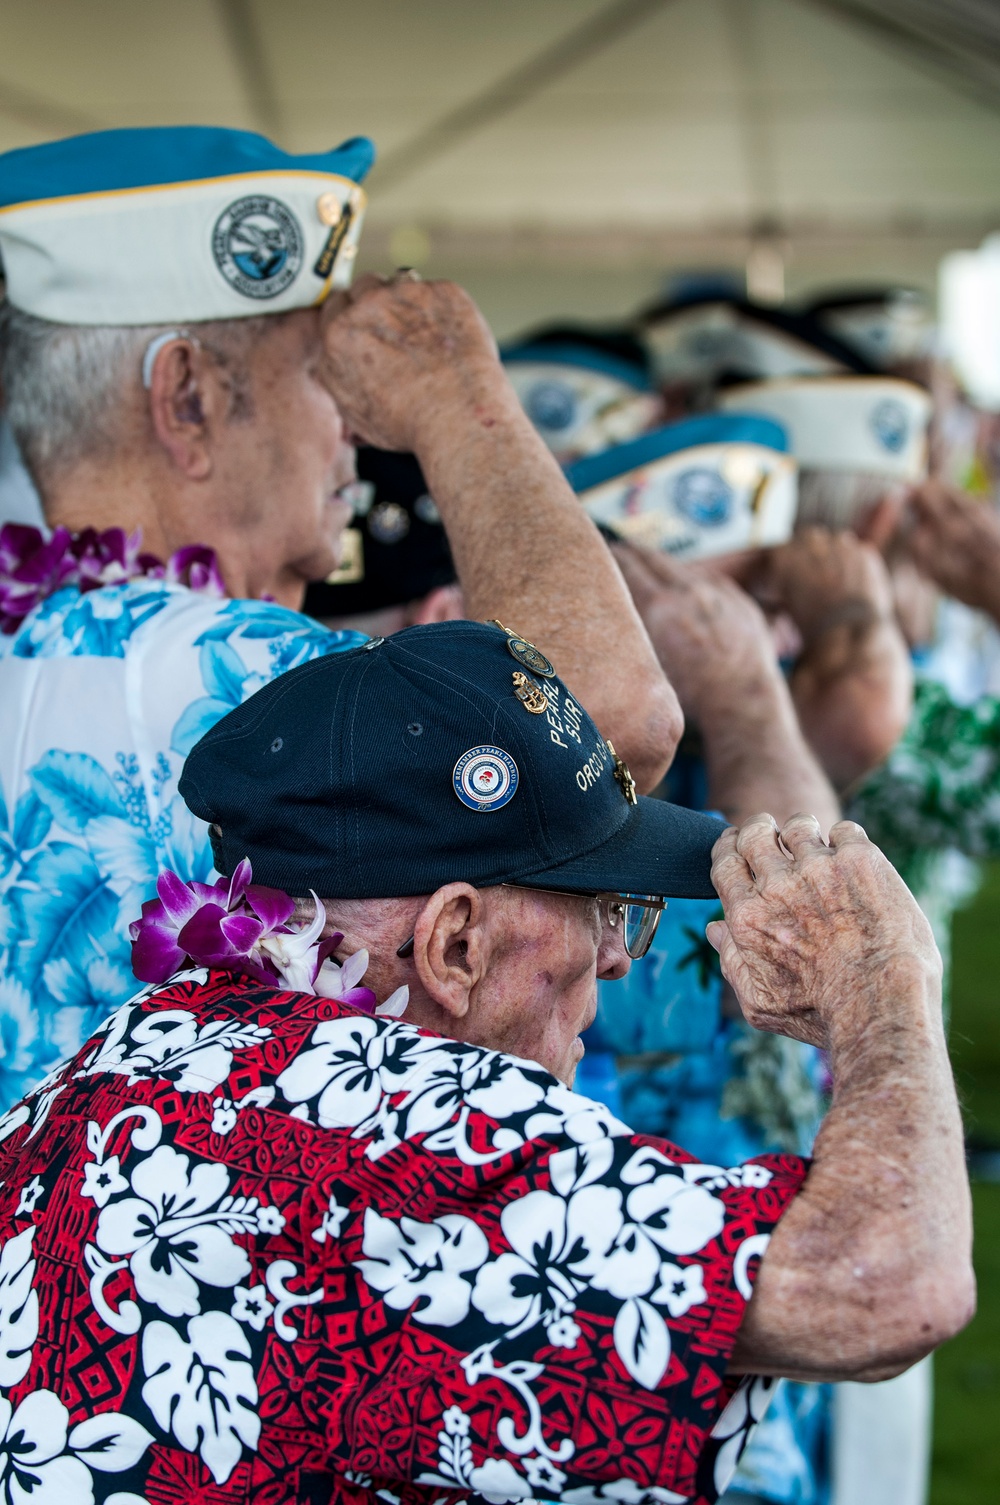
(638, 915)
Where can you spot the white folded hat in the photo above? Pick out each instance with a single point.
(176, 224)
(706, 486)
(700, 343)
(873, 424)
(580, 397)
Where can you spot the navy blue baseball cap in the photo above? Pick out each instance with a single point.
(445, 753)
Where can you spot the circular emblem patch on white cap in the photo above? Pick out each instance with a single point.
(891, 425)
(485, 778)
(258, 246)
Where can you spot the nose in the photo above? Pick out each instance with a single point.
(613, 961)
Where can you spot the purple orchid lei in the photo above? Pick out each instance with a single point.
(33, 567)
(241, 926)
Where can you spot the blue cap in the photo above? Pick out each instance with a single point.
(583, 389)
(444, 753)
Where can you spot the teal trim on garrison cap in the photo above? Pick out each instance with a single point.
(710, 428)
(584, 357)
(109, 161)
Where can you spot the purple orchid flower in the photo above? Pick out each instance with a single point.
(33, 567)
(241, 926)
(196, 567)
(199, 921)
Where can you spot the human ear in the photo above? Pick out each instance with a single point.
(183, 399)
(449, 946)
(444, 604)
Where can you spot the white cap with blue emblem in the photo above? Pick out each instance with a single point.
(170, 224)
(582, 390)
(876, 425)
(706, 486)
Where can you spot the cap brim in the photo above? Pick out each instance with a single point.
(662, 850)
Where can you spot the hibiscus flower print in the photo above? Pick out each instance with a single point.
(555, 1247)
(172, 1045)
(44, 1461)
(341, 1070)
(678, 1217)
(423, 1264)
(33, 1462)
(175, 1230)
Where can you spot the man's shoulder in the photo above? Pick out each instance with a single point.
(215, 1043)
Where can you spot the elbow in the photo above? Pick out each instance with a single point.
(849, 750)
(648, 737)
(875, 737)
(911, 1322)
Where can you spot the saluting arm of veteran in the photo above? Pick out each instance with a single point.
(413, 366)
(870, 1268)
(852, 684)
(715, 644)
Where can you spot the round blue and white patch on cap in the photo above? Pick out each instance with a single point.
(891, 425)
(703, 497)
(485, 778)
(551, 405)
(257, 245)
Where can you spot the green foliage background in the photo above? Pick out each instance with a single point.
(966, 1461)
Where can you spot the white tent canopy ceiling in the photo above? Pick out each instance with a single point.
(581, 146)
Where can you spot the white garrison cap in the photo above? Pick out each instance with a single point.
(176, 224)
(699, 343)
(708, 485)
(874, 424)
(580, 396)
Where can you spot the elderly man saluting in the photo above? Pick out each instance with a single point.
(183, 371)
(267, 1238)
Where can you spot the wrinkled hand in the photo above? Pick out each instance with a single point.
(399, 354)
(811, 930)
(711, 638)
(955, 540)
(822, 578)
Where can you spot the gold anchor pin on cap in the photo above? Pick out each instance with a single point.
(530, 694)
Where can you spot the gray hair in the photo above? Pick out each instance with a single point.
(836, 499)
(64, 385)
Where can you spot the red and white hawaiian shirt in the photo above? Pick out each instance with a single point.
(259, 1247)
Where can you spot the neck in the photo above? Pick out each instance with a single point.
(170, 516)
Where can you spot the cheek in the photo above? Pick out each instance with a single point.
(306, 433)
(566, 985)
(318, 429)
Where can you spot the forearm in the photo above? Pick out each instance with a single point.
(881, 1232)
(757, 758)
(853, 692)
(526, 554)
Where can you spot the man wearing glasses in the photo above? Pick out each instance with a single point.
(267, 1238)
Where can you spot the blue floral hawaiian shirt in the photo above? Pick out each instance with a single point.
(102, 696)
